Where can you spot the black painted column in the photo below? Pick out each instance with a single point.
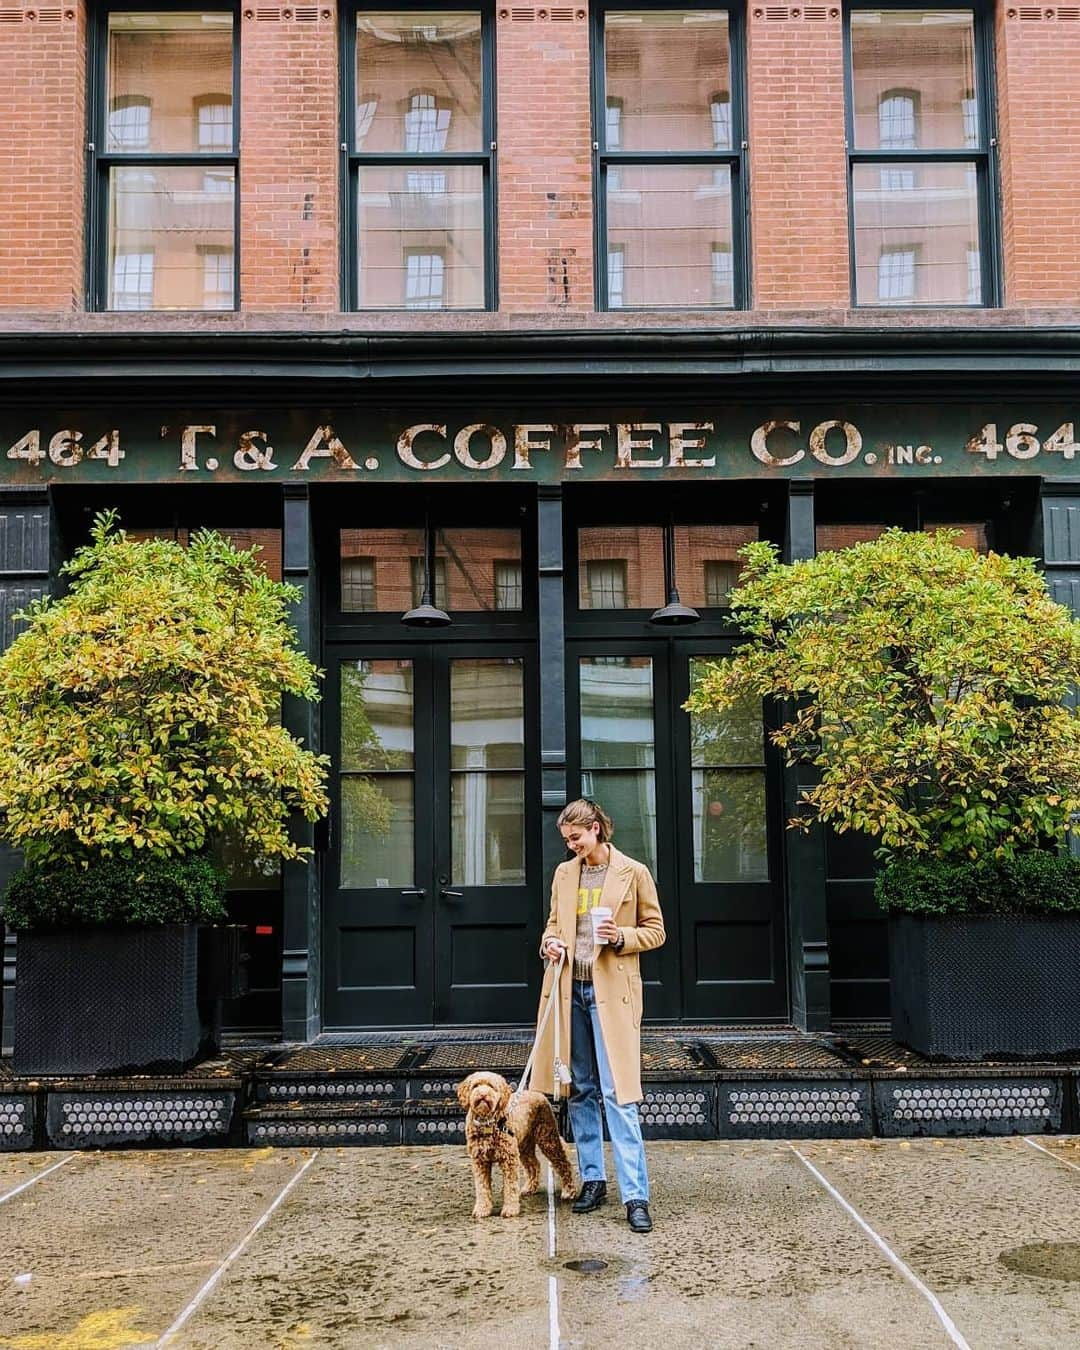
(1060, 549)
(552, 679)
(804, 853)
(301, 913)
(28, 564)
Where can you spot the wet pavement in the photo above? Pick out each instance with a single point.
(830, 1244)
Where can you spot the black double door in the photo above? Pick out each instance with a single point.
(430, 909)
(699, 799)
(434, 899)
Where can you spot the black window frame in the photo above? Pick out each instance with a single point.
(984, 155)
(101, 159)
(735, 158)
(352, 160)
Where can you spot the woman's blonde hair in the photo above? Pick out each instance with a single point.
(586, 812)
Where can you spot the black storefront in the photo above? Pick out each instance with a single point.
(548, 477)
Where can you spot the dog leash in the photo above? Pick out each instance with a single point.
(562, 1073)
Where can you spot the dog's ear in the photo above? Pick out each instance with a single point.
(464, 1088)
(504, 1095)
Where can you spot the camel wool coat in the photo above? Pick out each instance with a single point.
(630, 893)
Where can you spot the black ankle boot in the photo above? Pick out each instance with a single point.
(592, 1196)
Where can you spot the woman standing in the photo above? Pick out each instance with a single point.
(599, 1003)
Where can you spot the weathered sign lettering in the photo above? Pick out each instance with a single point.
(737, 441)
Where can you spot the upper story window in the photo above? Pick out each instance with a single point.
(163, 180)
(419, 126)
(670, 168)
(920, 168)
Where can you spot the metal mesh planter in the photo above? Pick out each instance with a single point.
(977, 987)
(106, 1000)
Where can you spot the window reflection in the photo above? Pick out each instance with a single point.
(487, 780)
(476, 569)
(618, 752)
(376, 753)
(727, 766)
(620, 567)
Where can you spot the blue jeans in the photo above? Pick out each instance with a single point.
(592, 1078)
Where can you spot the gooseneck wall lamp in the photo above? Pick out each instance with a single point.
(674, 613)
(426, 614)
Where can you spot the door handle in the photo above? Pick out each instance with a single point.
(451, 895)
(420, 893)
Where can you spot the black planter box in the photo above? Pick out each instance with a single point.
(106, 1000)
(976, 987)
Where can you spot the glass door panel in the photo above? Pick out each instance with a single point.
(618, 747)
(377, 756)
(727, 787)
(487, 778)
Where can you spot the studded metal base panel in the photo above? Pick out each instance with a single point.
(16, 1121)
(90, 1119)
(699, 1082)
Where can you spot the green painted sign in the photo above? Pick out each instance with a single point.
(730, 441)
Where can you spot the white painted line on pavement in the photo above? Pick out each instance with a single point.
(943, 1317)
(553, 1283)
(1065, 1162)
(208, 1287)
(10, 1195)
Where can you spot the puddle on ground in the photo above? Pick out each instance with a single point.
(1050, 1260)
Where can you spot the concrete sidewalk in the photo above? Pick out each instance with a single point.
(869, 1243)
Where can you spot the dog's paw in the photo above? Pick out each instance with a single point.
(480, 1212)
(569, 1193)
(513, 1213)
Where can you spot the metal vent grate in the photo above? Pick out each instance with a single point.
(16, 1122)
(110, 1118)
(442, 1128)
(961, 1102)
(678, 1111)
(298, 1132)
(471, 1056)
(782, 13)
(352, 1059)
(797, 1110)
(782, 1107)
(967, 1106)
(329, 1088)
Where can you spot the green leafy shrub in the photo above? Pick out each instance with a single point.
(926, 686)
(1027, 883)
(140, 712)
(120, 891)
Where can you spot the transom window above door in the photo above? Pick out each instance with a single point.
(419, 132)
(622, 566)
(670, 176)
(477, 569)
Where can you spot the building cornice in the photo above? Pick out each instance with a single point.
(587, 358)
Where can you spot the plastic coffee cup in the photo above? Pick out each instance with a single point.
(599, 915)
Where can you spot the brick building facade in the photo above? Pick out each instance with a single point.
(545, 310)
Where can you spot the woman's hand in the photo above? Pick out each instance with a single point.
(554, 948)
(607, 931)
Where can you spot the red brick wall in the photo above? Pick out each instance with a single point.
(544, 170)
(1039, 134)
(798, 166)
(289, 162)
(42, 155)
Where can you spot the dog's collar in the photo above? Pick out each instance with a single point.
(492, 1126)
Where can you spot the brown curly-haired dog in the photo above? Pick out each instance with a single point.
(495, 1132)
